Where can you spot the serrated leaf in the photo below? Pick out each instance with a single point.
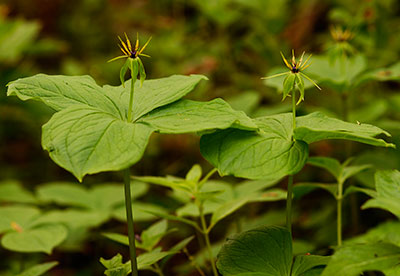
(352, 260)
(42, 238)
(317, 126)
(269, 154)
(38, 269)
(264, 251)
(190, 116)
(115, 266)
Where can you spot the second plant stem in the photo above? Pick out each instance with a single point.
(339, 199)
(128, 197)
(207, 239)
(289, 198)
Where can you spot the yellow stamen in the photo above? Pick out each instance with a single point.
(128, 42)
(123, 50)
(144, 46)
(293, 58)
(284, 60)
(137, 42)
(124, 46)
(301, 58)
(305, 62)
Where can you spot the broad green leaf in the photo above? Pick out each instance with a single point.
(61, 92)
(246, 102)
(264, 251)
(391, 73)
(388, 232)
(352, 260)
(115, 266)
(317, 126)
(42, 238)
(100, 142)
(303, 263)
(39, 269)
(330, 164)
(270, 153)
(12, 191)
(189, 116)
(387, 185)
(21, 215)
(393, 271)
(353, 170)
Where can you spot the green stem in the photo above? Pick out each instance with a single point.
(339, 213)
(289, 197)
(131, 97)
(289, 204)
(207, 239)
(129, 217)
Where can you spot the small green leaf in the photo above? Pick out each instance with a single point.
(122, 239)
(39, 269)
(303, 188)
(226, 209)
(288, 85)
(330, 164)
(145, 260)
(142, 72)
(263, 251)
(176, 218)
(122, 72)
(134, 67)
(352, 260)
(115, 266)
(300, 85)
(42, 238)
(194, 174)
(152, 235)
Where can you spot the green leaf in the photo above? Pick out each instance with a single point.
(388, 232)
(176, 218)
(251, 186)
(100, 142)
(300, 85)
(75, 218)
(21, 215)
(12, 191)
(115, 266)
(141, 211)
(39, 269)
(352, 260)
(353, 170)
(317, 126)
(330, 164)
(152, 235)
(89, 133)
(288, 85)
(303, 188)
(145, 260)
(387, 185)
(264, 251)
(194, 174)
(269, 154)
(142, 72)
(122, 239)
(122, 72)
(42, 238)
(226, 209)
(134, 67)
(391, 73)
(189, 116)
(304, 263)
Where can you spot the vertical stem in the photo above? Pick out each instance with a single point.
(131, 96)
(339, 212)
(289, 204)
(129, 217)
(289, 197)
(207, 239)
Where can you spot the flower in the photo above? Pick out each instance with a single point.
(133, 61)
(129, 52)
(295, 75)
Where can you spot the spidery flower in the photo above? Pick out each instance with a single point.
(294, 77)
(133, 61)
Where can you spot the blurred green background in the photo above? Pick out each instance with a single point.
(233, 42)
